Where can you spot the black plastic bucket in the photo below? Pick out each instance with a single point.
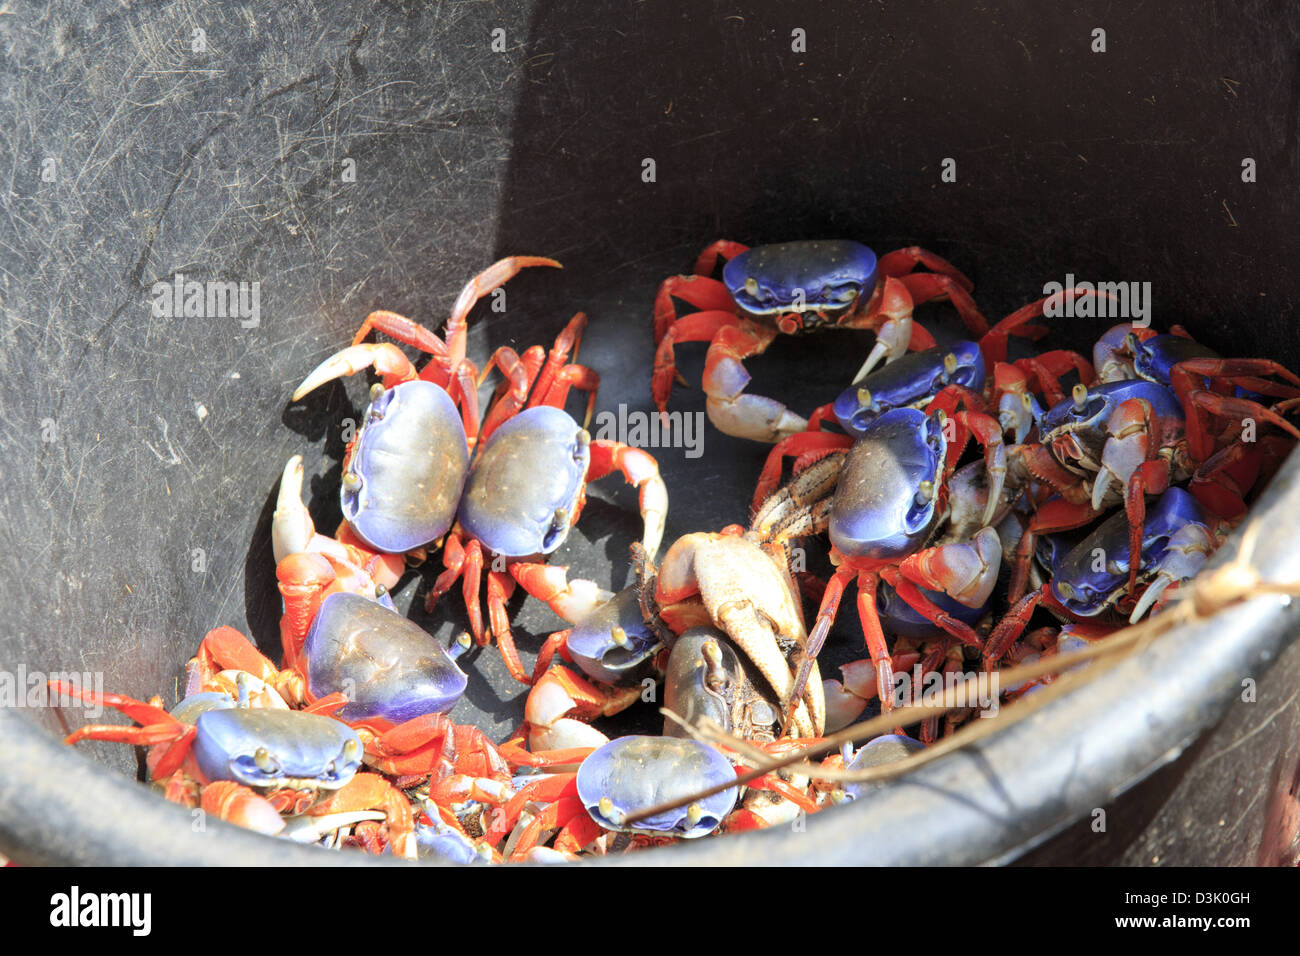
(347, 159)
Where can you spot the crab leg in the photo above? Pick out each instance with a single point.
(294, 532)
(557, 360)
(1048, 368)
(696, 327)
(157, 727)
(491, 278)
(499, 588)
(994, 344)
(724, 249)
(926, 287)
(571, 600)
(641, 471)
(404, 330)
(520, 374)
(916, 599)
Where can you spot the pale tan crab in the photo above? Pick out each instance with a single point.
(740, 582)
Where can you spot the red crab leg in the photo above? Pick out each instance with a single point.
(723, 249)
(640, 470)
(926, 287)
(1050, 366)
(900, 262)
(471, 577)
(558, 814)
(874, 637)
(548, 790)
(453, 560)
(1199, 440)
(500, 587)
(1223, 481)
(519, 374)
(916, 599)
(491, 278)
(1011, 627)
(696, 327)
(415, 747)
(994, 345)
(405, 330)
(556, 643)
(567, 341)
(158, 727)
(571, 377)
(700, 291)
(1055, 515)
(579, 832)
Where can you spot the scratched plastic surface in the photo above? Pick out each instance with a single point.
(140, 453)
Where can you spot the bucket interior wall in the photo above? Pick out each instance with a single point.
(347, 159)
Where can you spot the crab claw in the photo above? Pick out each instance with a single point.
(1126, 448)
(561, 702)
(239, 805)
(1017, 410)
(1188, 549)
(966, 570)
(386, 358)
(892, 340)
(842, 706)
(291, 526)
(305, 829)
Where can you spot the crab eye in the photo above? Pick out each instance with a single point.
(751, 286)
(265, 762)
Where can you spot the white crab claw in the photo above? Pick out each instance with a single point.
(386, 358)
(654, 512)
(1149, 597)
(891, 343)
(1188, 549)
(307, 829)
(565, 734)
(842, 706)
(1100, 485)
(291, 525)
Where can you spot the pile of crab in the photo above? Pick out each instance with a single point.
(990, 511)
